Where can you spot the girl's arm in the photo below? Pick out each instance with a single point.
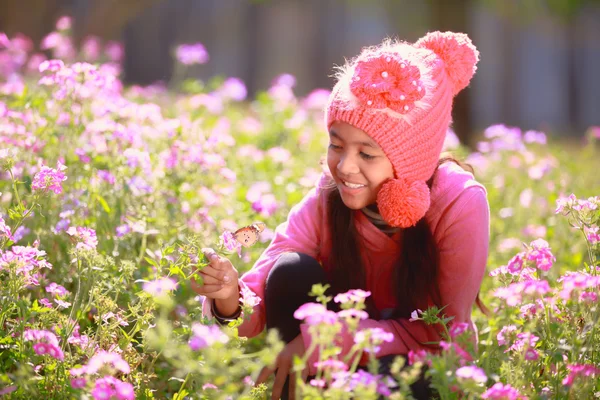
(463, 241)
(300, 233)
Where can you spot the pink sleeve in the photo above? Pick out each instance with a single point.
(300, 233)
(463, 242)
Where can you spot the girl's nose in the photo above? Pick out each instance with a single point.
(347, 166)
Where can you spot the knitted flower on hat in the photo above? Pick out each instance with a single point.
(401, 95)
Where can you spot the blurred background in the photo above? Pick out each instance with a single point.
(539, 58)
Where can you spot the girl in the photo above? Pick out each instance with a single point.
(389, 217)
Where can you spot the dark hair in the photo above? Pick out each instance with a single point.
(417, 269)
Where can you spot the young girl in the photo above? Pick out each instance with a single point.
(389, 217)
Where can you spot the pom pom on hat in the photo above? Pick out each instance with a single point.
(458, 53)
(403, 204)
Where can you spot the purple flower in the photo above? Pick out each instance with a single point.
(205, 336)
(190, 54)
(414, 316)
(52, 350)
(160, 286)
(501, 392)
(471, 372)
(35, 335)
(535, 137)
(122, 230)
(49, 179)
(266, 205)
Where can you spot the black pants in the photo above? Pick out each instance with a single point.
(288, 284)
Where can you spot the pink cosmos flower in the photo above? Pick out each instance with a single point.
(458, 329)
(104, 358)
(190, 54)
(580, 370)
(248, 297)
(315, 313)
(160, 286)
(56, 289)
(85, 237)
(371, 338)
(352, 296)
(5, 229)
(418, 356)
(78, 383)
(540, 253)
(471, 372)
(500, 391)
(230, 243)
(205, 336)
(49, 179)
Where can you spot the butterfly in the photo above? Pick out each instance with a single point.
(249, 235)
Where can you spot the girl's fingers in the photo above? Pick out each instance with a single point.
(209, 280)
(211, 255)
(280, 377)
(217, 274)
(263, 375)
(207, 289)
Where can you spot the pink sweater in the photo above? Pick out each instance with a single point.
(459, 220)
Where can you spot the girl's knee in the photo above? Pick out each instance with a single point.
(294, 271)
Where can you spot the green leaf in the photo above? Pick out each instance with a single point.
(103, 203)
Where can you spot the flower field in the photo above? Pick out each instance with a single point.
(108, 194)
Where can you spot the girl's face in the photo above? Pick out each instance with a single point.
(357, 164)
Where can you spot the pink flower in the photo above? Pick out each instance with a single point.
(353, 313)
(501, 392)
(160, 286)
(49, 179)
(531, 354)
(501, 336)
(205, 336)
(315, 313)
(85, 237)
(580, 370)
(417, 356)
(190, 54)
(248, 297)
(387, 81)
(372, 338)
(540, 253)
(56, 289)
(230, 243)
(471, 372)
(78, 383)
(414, 316)
(102, 358)
(5, 229)
(458, 329)
(209, 386)
(332, 365)
(352, 296)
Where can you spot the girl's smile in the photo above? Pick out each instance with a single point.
(357, 164)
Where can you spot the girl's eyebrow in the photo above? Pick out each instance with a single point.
(332, 133)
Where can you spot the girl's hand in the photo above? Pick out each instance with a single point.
(283, 366)
(220, 278)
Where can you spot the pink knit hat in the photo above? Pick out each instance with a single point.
(401, 95)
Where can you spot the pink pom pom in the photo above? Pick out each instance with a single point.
(457, 51)
(402, 204)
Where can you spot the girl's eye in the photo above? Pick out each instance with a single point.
(366, 156)
(334, 147)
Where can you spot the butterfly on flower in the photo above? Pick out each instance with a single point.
(249, 235)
